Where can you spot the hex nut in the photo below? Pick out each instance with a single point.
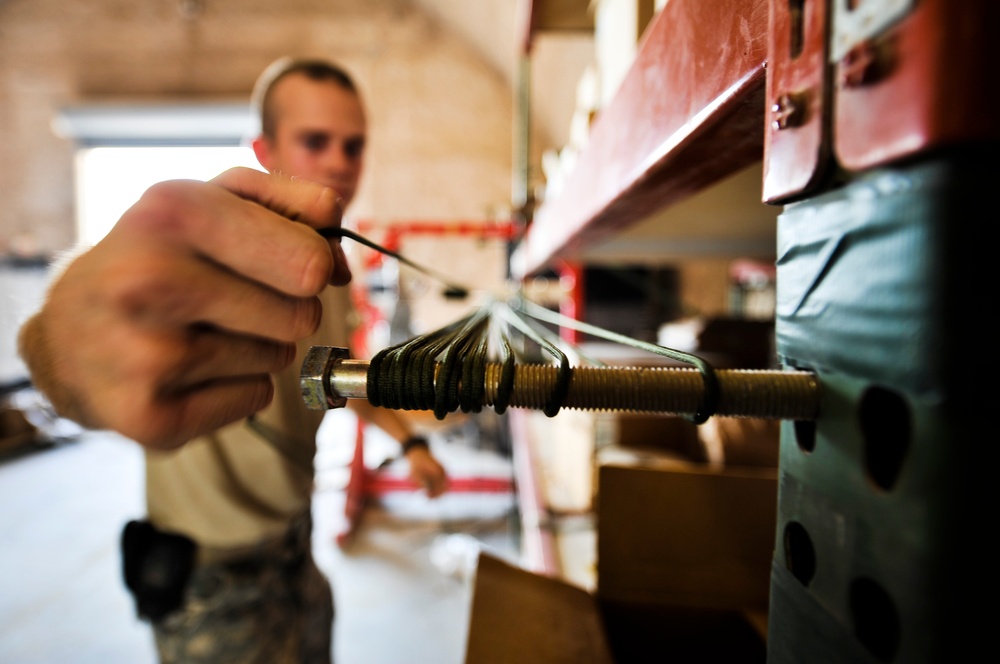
(314, 377)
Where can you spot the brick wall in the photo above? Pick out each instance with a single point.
(441, 116)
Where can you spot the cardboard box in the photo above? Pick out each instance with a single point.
(657, 434)
(685, 535)
(740, 441)
(569, 447)
(563, 447)
(683, 575)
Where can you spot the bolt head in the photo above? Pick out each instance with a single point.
(315, 377)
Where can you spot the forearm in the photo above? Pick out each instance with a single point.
(390, 421)
(424, 468)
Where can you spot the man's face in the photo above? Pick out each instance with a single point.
(319, 134)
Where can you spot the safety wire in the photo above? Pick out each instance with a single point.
(561, 387)
(445, 370)
(710, 400)
(453, 290)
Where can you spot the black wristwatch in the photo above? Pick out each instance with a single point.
(413, 442)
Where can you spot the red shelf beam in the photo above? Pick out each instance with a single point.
(689, 113)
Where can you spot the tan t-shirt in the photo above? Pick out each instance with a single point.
(232, 488)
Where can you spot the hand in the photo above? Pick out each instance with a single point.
(170, 326)
(427, 471)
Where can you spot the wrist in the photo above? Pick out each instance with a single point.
(414, 442)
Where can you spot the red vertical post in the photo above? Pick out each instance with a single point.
(572, 304)
(357, 490)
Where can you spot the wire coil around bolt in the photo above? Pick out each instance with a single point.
(445, 370)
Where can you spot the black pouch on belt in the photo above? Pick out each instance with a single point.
(157, 566)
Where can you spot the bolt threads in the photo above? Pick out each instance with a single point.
(764, 394)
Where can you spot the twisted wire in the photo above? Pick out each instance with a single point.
(446, 370)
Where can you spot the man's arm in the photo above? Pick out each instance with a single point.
(425, 470)
(171, 326)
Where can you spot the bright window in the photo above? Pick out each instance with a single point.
(110, 179)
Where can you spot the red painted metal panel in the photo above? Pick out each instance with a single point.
(355, 495)
(928, 82)
(796, 144)
(503, 230)
(378, 484)
(525, 21)
(689, 113)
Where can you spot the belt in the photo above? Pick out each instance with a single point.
(289, 547)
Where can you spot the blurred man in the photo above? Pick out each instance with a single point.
(195, 312)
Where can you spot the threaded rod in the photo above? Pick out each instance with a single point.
(763, 394)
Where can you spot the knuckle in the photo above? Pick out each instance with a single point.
(317, 266)
(329, 205)
(305, 317)
(162, 207)
(151, 293)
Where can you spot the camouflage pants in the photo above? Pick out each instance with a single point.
(275, 607)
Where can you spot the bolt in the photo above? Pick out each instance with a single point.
(742, 393)
(764, 394)
(314, 377)
(789, 110)
(867, 63)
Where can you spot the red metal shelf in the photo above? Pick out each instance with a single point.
(689, 113)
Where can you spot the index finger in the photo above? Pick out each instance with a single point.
(313, 204)
(310, 203)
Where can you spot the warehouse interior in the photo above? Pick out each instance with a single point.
(794, 192)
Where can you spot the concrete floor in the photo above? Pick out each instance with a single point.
(402, 582)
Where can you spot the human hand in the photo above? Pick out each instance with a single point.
(171, 326)
(427, 471)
